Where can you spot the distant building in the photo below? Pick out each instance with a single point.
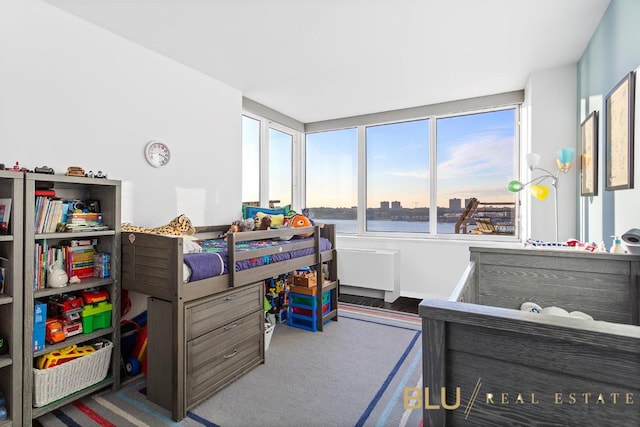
(396, 205)
(466, 201)
(455, 203)
(384, 205)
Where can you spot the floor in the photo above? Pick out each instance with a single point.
(404, 304)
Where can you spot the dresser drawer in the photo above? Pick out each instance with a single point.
(215, 359)
(210, 313)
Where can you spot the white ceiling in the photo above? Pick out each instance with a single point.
(316, 60)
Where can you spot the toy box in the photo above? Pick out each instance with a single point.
(96, 316)
(39, 325)
(306, 279)
(102, 265)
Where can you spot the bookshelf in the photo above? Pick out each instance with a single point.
(11, 188)
(42, 237)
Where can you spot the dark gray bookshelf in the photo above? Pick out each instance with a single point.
(108, 193)
(12, 187)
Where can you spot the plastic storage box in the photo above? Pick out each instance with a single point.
(96, 316)
(302, 310)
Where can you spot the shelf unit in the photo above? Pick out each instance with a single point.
(108, 193)
(11, 187)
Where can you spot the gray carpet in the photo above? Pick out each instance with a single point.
(351, 374)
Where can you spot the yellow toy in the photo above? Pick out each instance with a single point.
(66, 354)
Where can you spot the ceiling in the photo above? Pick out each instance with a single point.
(316, 60)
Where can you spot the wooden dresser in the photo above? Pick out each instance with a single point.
(219, 338)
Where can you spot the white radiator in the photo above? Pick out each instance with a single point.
(371, 269)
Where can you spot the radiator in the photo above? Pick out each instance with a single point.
(371, 269)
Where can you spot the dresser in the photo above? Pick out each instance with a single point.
(196, 350)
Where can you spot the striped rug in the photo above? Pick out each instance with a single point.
(363, 364)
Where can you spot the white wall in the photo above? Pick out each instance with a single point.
(72, 93)
(551, 113)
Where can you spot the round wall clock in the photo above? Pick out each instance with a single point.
(157, 153)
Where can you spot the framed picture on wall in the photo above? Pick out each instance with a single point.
(619, 117)
(589, 155)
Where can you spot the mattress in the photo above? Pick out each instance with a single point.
(212, 261)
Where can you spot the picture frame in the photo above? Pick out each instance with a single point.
(619, 118)
(589, 155)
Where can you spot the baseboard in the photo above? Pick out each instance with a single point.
(361, 292)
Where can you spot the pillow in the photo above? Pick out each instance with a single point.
(277, 221)
(251, 211)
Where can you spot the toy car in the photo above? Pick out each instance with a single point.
(54, 331)
(75, 171)
(44, 169)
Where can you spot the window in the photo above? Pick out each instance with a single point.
(268, 151)
(437, 175)
(332, 178)
(475, 160)
(280, 164)
(397, 165)
(250, 159)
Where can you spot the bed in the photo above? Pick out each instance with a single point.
(486, 362)
(205, 319)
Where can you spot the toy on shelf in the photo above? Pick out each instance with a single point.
(75, 171)
(3, 406)
(66, 354)
(44, 169)
(54, 331)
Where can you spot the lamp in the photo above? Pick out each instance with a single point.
(564, 161)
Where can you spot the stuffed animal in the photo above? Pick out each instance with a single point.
(277, 220)
(298, 221)
(177, 227)
(265, 223)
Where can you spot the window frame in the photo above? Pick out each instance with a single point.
(433, 177)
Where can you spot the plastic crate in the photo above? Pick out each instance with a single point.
(305, 322)
(96, 316)
(308, 300)
(62, 380)
(302, 310)
(307, 311)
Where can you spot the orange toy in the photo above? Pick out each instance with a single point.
(298, 221)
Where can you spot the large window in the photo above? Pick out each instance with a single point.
(441, 174)
(332, 177)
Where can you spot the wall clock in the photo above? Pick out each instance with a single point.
(157, 153)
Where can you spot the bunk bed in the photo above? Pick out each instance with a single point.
(210, 330)
(513, 367)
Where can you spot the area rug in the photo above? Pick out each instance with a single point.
(354, 373)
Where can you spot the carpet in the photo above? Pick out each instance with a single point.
(351, 374)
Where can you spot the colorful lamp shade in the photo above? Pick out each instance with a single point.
(565, 159)
(515, 186)
(540, 192)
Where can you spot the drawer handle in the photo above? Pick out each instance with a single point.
(231, 297)
(230, 355)
(230, 326)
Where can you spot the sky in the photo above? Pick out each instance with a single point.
(474, 154)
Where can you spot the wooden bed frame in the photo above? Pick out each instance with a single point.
(510, 367)
(184, 318)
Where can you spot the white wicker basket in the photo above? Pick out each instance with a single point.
(59, 381)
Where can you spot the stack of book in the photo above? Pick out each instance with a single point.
(77, 257)
(53, 214)
(85, 221)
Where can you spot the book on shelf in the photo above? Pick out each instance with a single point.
(4, 263)
(5, 211)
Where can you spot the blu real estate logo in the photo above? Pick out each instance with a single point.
(414, 398)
